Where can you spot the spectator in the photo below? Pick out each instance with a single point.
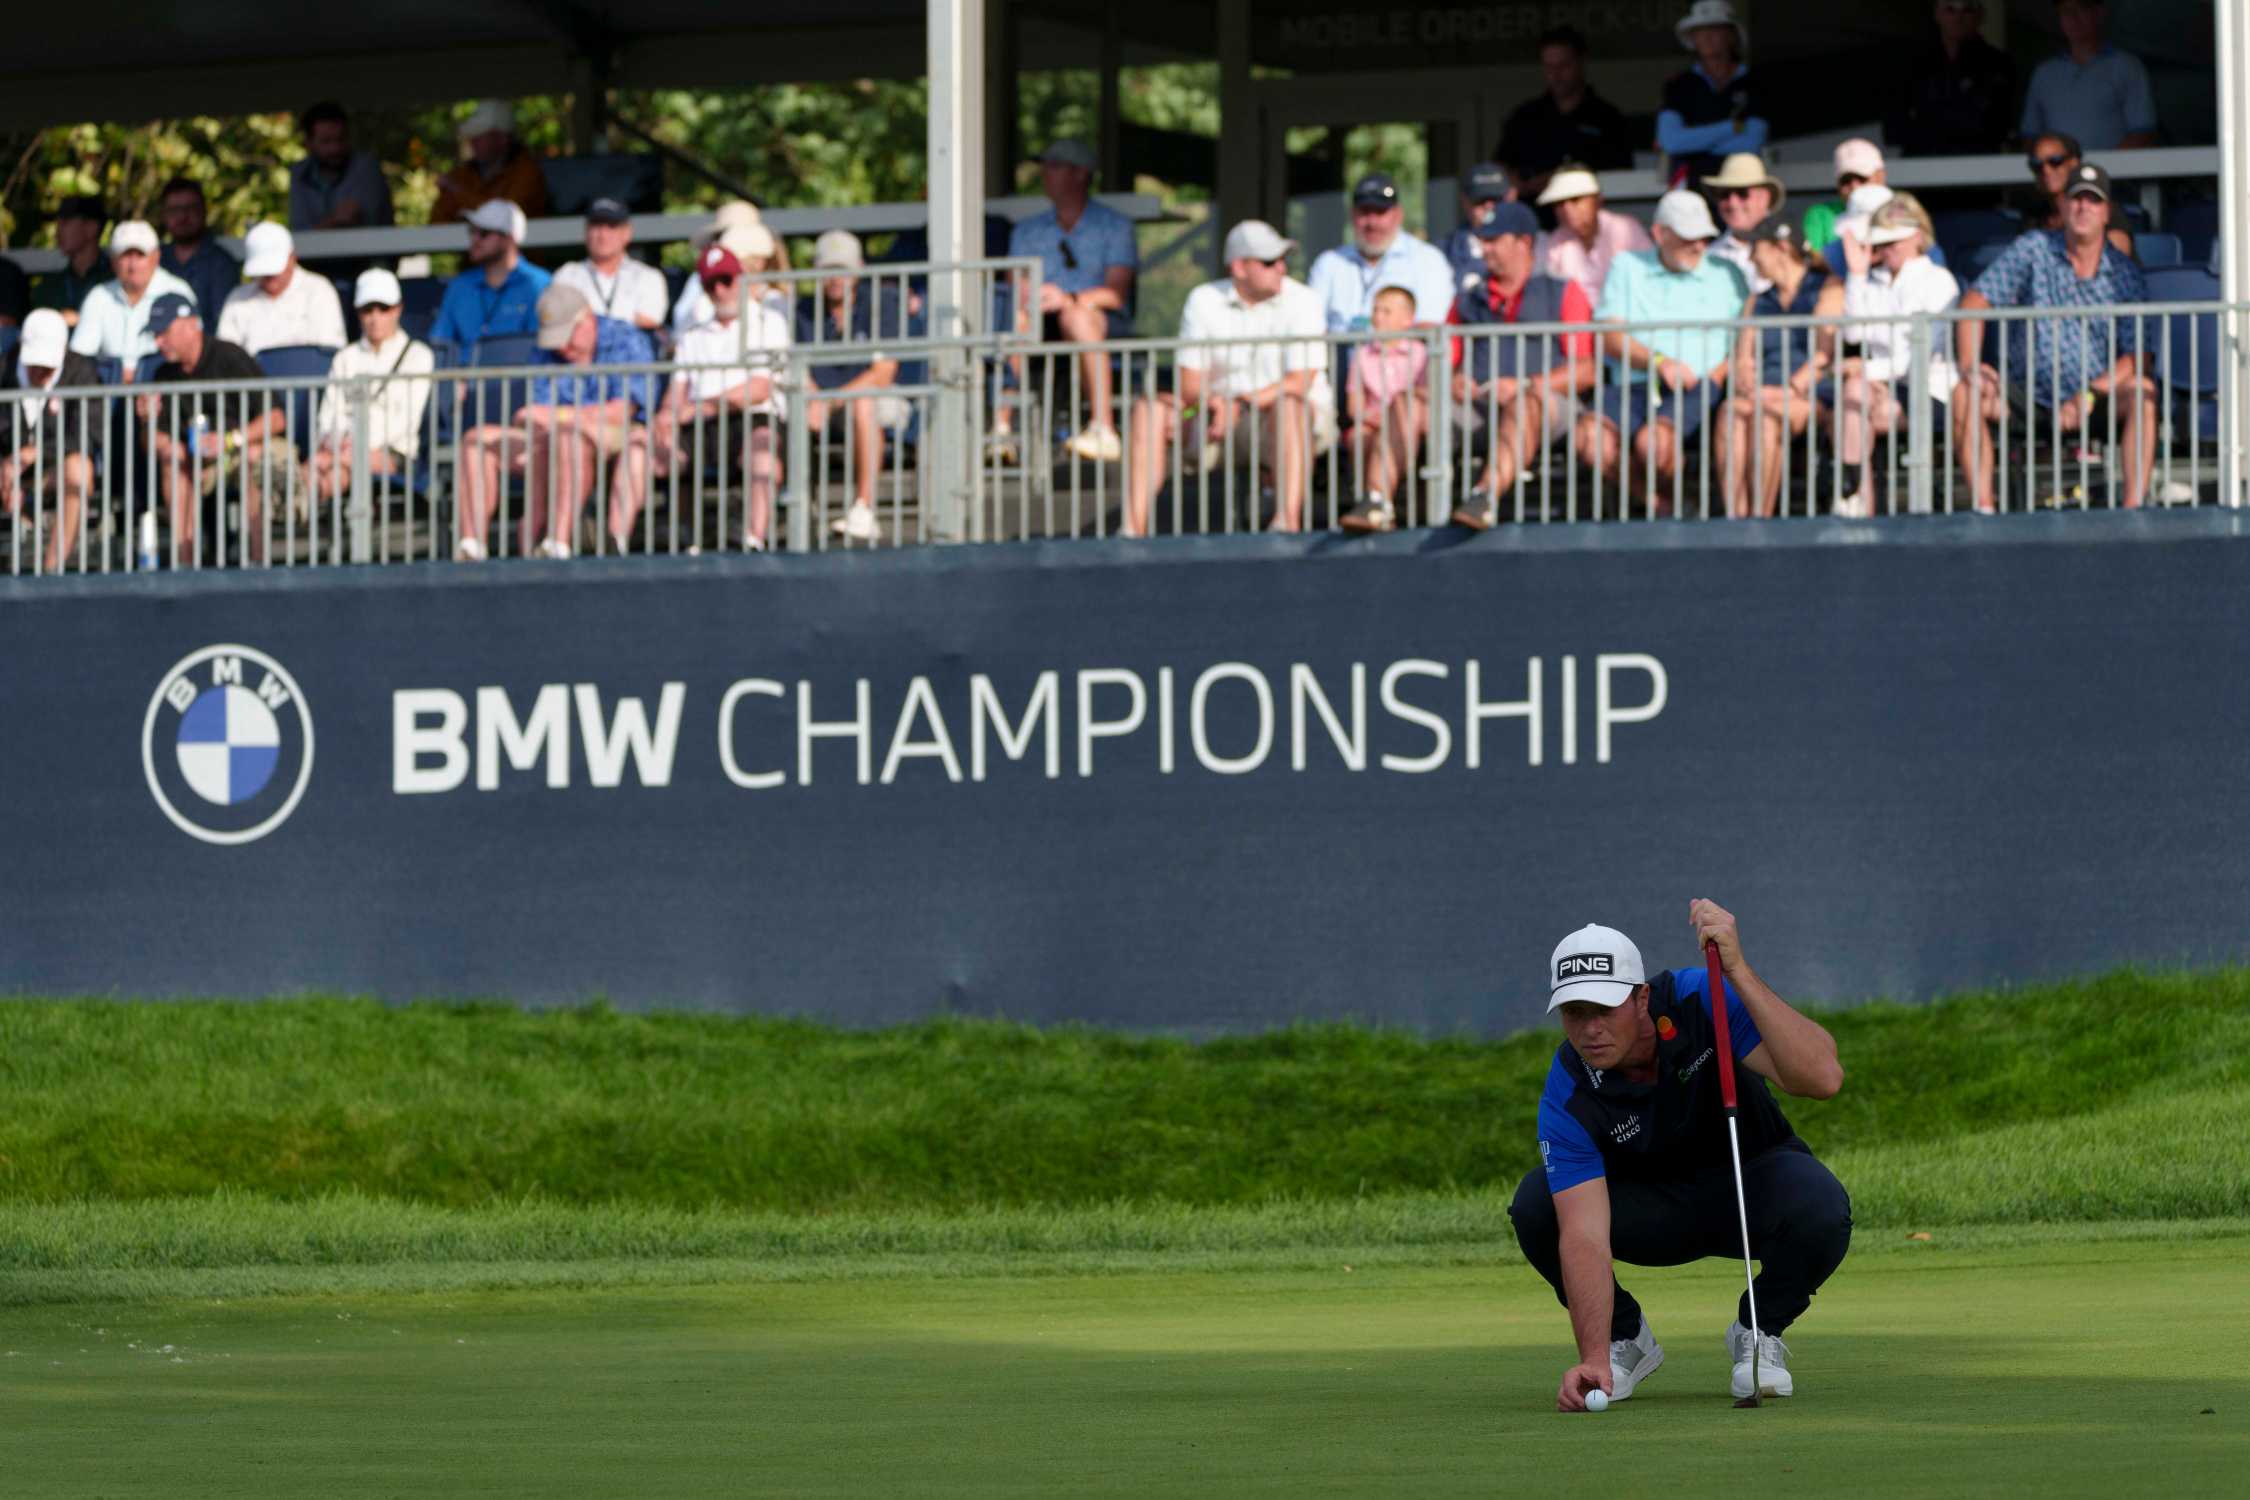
(333, 186)
(1587, 238)
(1525, 390)
(1482, 192)
(497, 168)
(1954, 99)
(1388, 409)
(617, 285)
(726, 390)
(1275, 381)
(2054, 162)
(400, 366)
(1380, 253)
(113, 322)
(1859, 163)
(2091, 90)
(78, 235)
(199, 439)
(192, 254)
(1567, 123)
(867, 315)
(2078, 374)
(1088, 263)
(573, 431)
(499, 293)
(1859, 219)
(1747, 195)
(1890, 276)
(1775, 369)
(55, 441)
(1710, 110)
(1686, 369)
(758, 252)
(284, 306)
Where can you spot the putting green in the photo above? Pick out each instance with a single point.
(2056, 1369)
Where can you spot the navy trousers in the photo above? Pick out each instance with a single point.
(1800, 1227)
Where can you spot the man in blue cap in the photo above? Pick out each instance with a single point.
(199, 439)
(1483, 190)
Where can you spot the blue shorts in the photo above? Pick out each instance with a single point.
(1631, 407)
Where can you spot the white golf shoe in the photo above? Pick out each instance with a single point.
(1773, 1363)
(1632, 1361)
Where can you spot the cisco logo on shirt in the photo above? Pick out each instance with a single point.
(227, 744)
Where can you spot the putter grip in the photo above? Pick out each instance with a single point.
(1718, 981)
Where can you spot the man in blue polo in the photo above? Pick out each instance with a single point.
(498, 293)
(1634, 1159)
(2090, 91)
(1380, 253)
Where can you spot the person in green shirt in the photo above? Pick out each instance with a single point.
(1858, 163)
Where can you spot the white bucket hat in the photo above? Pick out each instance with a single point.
(1569, 183)
(1710, 13)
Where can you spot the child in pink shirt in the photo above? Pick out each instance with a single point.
(1389, 408)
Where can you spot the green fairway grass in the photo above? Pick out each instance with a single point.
(2070, 1366)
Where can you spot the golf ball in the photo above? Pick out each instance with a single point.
(1596, 1401)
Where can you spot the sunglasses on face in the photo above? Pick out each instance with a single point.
(2052, 159)
(720, 280)
(1070, 256)
(1735, 193)
(1846, 181)
(381, 307)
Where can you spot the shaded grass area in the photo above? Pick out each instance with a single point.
(2053, 1370)
(463, 1105)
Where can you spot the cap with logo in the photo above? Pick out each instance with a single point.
(266, 250)
(1487, 182)
(1686, 215)
(498, 216)
(133, 234)
(608, 211)
(1508, 218)
(1375, 190)
(1255, 239)
(560, 308)
(1594, 963)
(1858, 157)
(167, 310)
(718, 263)
(46, 339)
(376, 287)
(2089, 181)
(1570, 181)
(838, 250)
(1068, 153)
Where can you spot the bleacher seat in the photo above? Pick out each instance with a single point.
(1962, 230)
(10, 336)
(418, 313)
(2196, 222)
(145, 371)
(2155, 250)
(296, 362)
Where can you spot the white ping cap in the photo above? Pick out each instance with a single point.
(1595, 963)
(266, 250)
(1686, 215)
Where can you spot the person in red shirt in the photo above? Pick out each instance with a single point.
(1516, 386)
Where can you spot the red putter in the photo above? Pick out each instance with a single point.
(1718, 981)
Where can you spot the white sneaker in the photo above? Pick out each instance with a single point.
(2172, 492)
(469, 549)
(1855, 507)
(752, 542)
(554, 546)
(1773, 1363)
(1632, 1361)
(1098, 444)
(857, 522)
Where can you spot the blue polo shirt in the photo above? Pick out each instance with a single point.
(1346, 281)
(1101, 238)
(472, 309)
(2100, 102)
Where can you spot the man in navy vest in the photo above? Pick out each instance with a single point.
(1524, 390)
(1635, 1166)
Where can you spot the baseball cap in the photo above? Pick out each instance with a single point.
(1487, 181)
(1594, 963)
(838, 250)
(376, 287)
(266, 250)
(750, 242)
(1375, 190)
(1893, 222)
(46, 338)
(1068, 153)
(735, 213)
(500, 217)
(560, 308)
(2089, 179)
(1773, 229)
(717, 264)
(1255, 239)
(167, 310)
(133, 234)
(1508, 218)
(608, 211)
(489, 115)
(1570, 181)
(1686, 215)
(1858, 157)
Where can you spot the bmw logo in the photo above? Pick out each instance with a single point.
(227, 744)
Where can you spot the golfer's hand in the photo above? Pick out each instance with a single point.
(1577, 1381)
(1713, 923)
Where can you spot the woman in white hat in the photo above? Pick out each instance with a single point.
(1587, 238)
(1888, 276)
(399, 366)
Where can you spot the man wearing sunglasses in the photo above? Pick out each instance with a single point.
(1859, 163)
(2054, 161)
(1088, 259)
(1954, 100)
(498, 293)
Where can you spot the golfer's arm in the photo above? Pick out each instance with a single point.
(1794, 1051)
(1583, 1214)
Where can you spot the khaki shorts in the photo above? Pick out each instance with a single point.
(1324, 429)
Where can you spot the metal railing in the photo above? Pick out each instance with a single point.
(1849, 417)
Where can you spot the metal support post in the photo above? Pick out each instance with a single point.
(956, 162)
(361, 517)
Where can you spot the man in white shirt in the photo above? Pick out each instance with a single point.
(400, 367)
(617, 285)
(1381, 253)
(113, 320)
(284, 306)
(725, 391)
(1278, 386)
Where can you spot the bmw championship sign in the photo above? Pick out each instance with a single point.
(227, 744)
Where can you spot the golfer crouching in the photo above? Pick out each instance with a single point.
(1636, 1166)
